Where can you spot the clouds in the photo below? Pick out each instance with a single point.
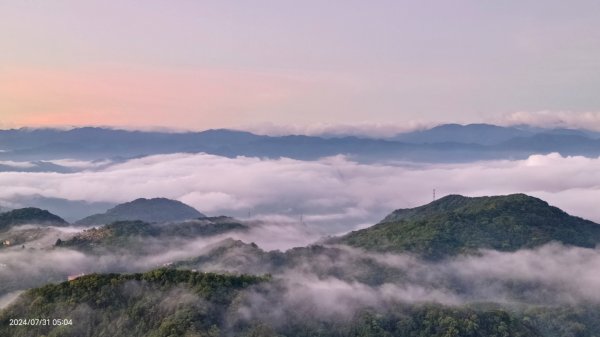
(334, 193)
(554, 119)
(7, 299)
(550, 275)
(375, 130)
(39, 262)
(337, 282)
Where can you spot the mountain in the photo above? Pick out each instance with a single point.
(456, 224)
(147, 210)
(35, 148)
(156, 303)
(168, 302)
(70, 210)
(564, 143)
(133, 235)
(29, 215)
(484, 134)
(235, 256)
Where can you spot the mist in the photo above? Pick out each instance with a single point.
(38, 261)
(327, 282)
(334, 194)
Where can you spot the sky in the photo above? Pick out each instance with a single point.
(207, 64)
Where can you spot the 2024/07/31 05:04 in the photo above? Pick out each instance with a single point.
(40, 321)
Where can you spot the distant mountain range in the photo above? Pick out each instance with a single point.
(444, 143)
(156, 210)
(484, 134)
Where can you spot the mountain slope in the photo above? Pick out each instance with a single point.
(147, 210)
(456, 224)
(444, 143)
(29, 215)
(485, 134)
(168, 302)
(133, 235)
(157, 303)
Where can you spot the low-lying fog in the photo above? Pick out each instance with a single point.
(333, 194)
(334, 281)
(290, 203)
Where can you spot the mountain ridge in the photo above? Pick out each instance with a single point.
(456, 225)
(147, 210)
(29, 215)
(444, 143)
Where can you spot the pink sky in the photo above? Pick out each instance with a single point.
(207, 64)
(181, 98)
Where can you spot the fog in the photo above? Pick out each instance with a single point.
(38, 261)
(328, 282)
(589, 120)
(7, 299)
(334, 194)
(547, 276)
(290, 203)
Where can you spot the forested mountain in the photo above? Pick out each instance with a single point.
(360, 284)
(157, 303)
(134, 236)
(147, 210)
(456, 224)
(168, 302)
(30, 215)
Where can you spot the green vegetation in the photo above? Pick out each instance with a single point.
(134, 235)
(168, 302)
(122, 234)
(412, 321)
(202, 227)
(234, 255)
(163, 302)
(564, 321)
(29, 215)
(456, 225)
(147, 210)
(178, 302)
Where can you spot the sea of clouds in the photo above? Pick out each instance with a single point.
(334, 194)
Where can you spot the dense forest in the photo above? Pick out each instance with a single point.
(27, 216)
(457, 225)
(133, 235)
(168, 302)
(492, 266)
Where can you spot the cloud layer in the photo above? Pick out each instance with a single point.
(335, 191)
(554, 119)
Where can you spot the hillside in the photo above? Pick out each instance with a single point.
(485, 134)
(168, 302)
(147, 210)
(157, 303)
(234, 256)
(133, 235)
(456, 224)
(29, 215)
